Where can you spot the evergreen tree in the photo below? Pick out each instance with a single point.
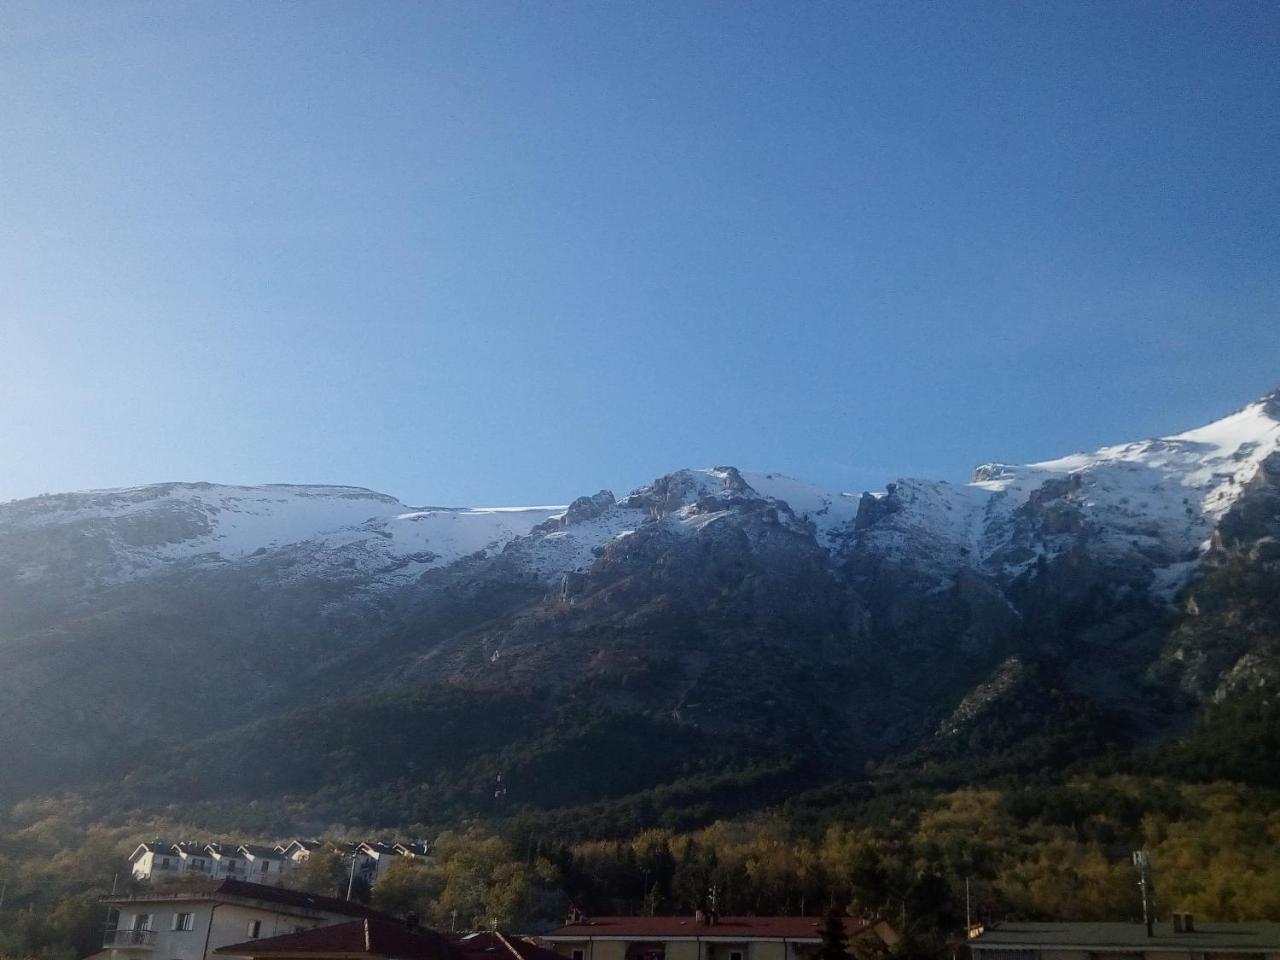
(835, 941)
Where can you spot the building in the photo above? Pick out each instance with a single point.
(368, 937)
(298, 851)
(160, 861)
(701, 937)
(227, 861)
(414, 849)
(189, 921)
(263, 864)
(493, 945)
(384, 938)
(372, 858)
(1181, 939)
(156, 860)
(194, 858)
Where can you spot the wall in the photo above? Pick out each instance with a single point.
(766, 951)
(230, 925)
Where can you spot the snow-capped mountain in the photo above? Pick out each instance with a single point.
(1155, 502)
(710, 597)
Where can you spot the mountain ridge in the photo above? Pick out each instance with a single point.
(709, 604)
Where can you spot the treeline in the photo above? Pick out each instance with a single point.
(1046, 851)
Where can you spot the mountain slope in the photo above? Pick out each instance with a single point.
(748, 615)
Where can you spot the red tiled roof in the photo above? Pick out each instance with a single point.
(500, 946)
(368, 937)
(244, 890)
(663, 928)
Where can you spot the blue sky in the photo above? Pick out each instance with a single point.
(513, 252)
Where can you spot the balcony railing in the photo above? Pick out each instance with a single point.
(129, 938)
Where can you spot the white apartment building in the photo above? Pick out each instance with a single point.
(298, 851)
(156, 860)
(264, 864)
(372, 858)
(190, 921)
(161, 861)
(228, 861)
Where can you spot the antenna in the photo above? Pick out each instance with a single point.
(1143, 863)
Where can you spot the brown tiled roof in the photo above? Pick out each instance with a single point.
(500, 946)
(371, 937)
(663, 928)
(1214, 937)
(244, 890)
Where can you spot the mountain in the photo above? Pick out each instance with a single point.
(730, 633)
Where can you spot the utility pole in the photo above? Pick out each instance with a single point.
(968, 914)
(351, 880)
(1143, 863)
(4, 885)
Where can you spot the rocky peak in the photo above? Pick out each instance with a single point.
(872, 509)
(580, 511)
(991, 471)
(1271, 404)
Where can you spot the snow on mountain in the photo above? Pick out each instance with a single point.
(930, 524)
(1154, 501)
(830, 513)
(140, 530)
(1158, 499)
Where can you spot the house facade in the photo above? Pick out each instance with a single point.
(189, 921)
(160, 861)
(1180, 939)
(156, 860)
(372, 858)
(263, 864)
(299, 851)
(228, 862)
(701, 937)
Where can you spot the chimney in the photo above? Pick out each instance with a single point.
(1177, 923)
(1189, 922)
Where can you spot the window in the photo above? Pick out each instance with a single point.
(183, 921)
(164, 864)
(579, 954)
(266, 865)
(142, 921)
(735, 955)
(255, 929)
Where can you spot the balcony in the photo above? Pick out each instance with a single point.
(129, 939)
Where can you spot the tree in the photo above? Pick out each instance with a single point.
(405, 887)
(323, 872)
(835, 941)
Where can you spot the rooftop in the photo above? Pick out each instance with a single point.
(367, 937)
(499, 946)
(659, 928)
(261, 852)
(243, 890)
(1246, 937)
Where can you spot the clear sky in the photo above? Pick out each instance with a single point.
(494, 252)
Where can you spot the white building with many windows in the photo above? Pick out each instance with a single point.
(189, 921)
(263, 864)
(156, 860)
